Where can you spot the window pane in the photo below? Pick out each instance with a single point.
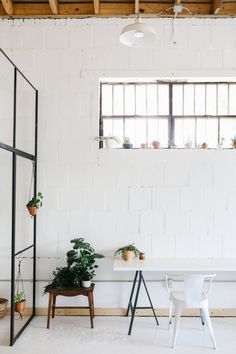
(189, 100)
(141, 100)
(207, 132)
(129, 100)
(130, 129)
(232, 99)
(118, 108)
(227, 131)
(163, 100)
(200, 100)
(118, 129)
(211, 100)
(222, 99)
(152, 100)
(141, 132)
(184, 131)
(158, 131)
(107, 127)
(106, 100)
(178, 100)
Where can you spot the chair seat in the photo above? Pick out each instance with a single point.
(179, 296)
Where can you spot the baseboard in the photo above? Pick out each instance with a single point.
(103, 311)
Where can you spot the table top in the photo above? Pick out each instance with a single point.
(177, 265)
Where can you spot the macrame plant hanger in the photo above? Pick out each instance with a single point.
(31, 193)
(19, 285)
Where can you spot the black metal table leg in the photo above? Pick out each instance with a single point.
(135, 302)
(149, 298)
(131, 294)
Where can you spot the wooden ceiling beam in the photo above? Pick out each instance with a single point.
(96, 4)
(43, 10)
(54, 6)
(216, 6)
(8, 6)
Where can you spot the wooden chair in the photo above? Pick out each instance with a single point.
(68, 293)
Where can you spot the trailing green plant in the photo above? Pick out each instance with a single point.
(130, 247)
(81, 264)
(36, 201)
(111, 137)
(19, 297)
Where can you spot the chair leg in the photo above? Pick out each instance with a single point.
(208, 321)
(178, 310)
(170, 314)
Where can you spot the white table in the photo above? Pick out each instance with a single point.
(167, 265)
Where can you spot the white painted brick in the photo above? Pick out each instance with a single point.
(151, 222)
(139, 198)
(176, 221)
(210, 245)
(163, 245)
(79, 223)
(199, 36)
(216, 197)
(10, 38)
(56, 37)
(201, 174)
(81, 36)
(93, 198)
(176, 174)
(192, 199)
(229, 244)
(128, 224)
(128, 175)
(82, 176)
(104, 176)
(187, 245)
(140, 59)
(201, 221)
(56, 175)
(116, 198)
(105, 36)
(152, 174)
(223, 36)
(166, 198)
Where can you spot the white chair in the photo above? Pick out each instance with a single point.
(194, 295)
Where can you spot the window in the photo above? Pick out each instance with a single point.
(179, 114)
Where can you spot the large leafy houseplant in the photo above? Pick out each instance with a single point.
(81, 264)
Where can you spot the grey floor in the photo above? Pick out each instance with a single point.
(73, 335)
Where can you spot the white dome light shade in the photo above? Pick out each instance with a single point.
(138, 34)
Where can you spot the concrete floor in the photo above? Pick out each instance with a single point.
(73, 335)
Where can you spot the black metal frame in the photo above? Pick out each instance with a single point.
(15, 153)
(170, 117)
(133, 308)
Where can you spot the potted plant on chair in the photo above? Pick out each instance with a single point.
(128, 252)
(34, 204)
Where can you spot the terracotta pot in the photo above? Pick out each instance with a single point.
(234, 144)
(127, 255)
(19, 306)
(141, 256)
(143, 146)
(32, 211)
(156, 144)
(204, 146)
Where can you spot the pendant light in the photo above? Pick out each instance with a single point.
(137, 34)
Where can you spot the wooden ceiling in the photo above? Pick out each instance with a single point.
(112, 8)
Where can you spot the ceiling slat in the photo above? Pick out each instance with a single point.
(216, 5)
(54, 6)
(8, 6)
(96, 4)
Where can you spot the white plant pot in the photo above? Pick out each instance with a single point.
(86, 283)
(110, 143)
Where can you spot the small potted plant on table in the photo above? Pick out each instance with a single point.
(34, 204)
(128, 252)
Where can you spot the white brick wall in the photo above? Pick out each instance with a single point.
(170, 203)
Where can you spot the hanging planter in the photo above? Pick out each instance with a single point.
(19, 298)
(34, 204)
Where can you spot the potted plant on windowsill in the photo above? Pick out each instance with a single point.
(127, 144)
(111, 142)
(234, 142)
(19, 302)
(128, 252)
(156, 144)
(34, 204)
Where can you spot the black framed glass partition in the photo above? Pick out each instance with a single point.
(18, 166)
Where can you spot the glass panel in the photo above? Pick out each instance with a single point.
(6, 101)
(227, 131)
(207, 132)
(106, 100)
(118, 108)
(163, 100)
(211, 99)
(141, 100)
(189, 100)
(24, 223)
(107, 127)
(152, 100)
(200, 100)
(158, 131)
(129, 100)
(178, 100)
(118, 129)
(141, 132)
(232, 99)
(26, 270)
(25, 116)
(185, 132)
(222, 99)
(130, 129)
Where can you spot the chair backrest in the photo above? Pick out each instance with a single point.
(194, 287)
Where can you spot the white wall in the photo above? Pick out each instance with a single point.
(169, 202)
